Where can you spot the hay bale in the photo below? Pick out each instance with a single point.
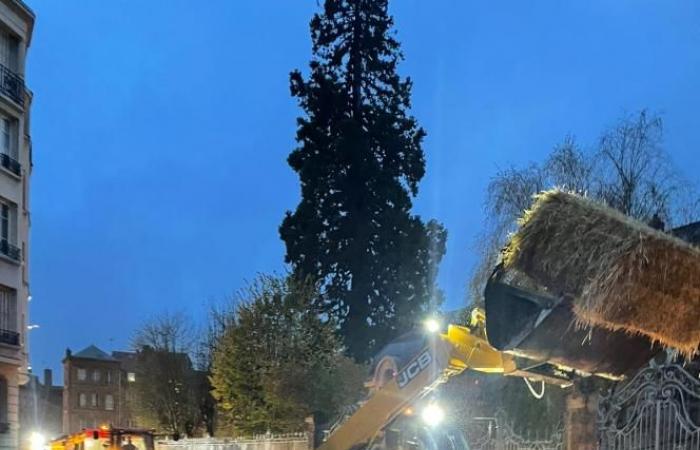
(619, 273)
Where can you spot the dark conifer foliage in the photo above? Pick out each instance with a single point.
(360, 159)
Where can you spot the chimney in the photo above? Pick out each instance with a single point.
(48, 378)
(656, 223)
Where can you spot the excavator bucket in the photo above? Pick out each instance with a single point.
(582, 286)
(533, 325)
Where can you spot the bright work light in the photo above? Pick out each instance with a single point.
(432, 325)
(432, 415)
(37, 441)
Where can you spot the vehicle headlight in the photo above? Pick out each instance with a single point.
(433, 415)
(432, 325)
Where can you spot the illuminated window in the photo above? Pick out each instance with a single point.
(109, 402)
(82, 401)
(131, 377)
(82, 374)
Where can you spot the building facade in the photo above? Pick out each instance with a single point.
(96, 389)
(40, 408)
(16, 25)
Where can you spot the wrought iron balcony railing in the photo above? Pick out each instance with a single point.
(12, 85)
(9, 337)
(10, 164)
(10, 250)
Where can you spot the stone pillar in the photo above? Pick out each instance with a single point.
(310, 432)
(580, 426)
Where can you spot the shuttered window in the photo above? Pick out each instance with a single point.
(8, 309)
(9, 46)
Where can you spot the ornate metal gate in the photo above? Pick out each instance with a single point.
(495, 433)
(659, 409)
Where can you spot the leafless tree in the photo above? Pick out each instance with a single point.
(169, 394)
(634, 174)
(172, 332)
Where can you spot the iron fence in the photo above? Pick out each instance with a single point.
(659, 409)
(497, 433)
(292, 441)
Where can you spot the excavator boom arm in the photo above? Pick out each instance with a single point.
(444, 356)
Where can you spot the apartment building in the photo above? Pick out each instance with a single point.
(16, 25)
(96, 389)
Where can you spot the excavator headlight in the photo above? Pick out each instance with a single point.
(37, 441)
(432, 325)
(433, 415)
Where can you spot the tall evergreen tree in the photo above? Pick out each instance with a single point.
(360, 160)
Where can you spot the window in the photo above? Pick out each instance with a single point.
(5, 222)
(93, 400)
(5, 135)
(4, 400)
(96, 376)
(8, 312)
(9, 46)
(82, 374)
(8, 226)
(82, 401)
(109, 402)
(131, 377)
(109, 377)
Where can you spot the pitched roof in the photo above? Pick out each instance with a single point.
(689, 232)
(92, 352)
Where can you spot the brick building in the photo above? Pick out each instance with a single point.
(96, 386)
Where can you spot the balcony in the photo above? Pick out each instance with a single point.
(10, 164)
(9, 337)
(10, 251)
(12, 85)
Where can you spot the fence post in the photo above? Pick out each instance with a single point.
(310, 432)
(580, 424)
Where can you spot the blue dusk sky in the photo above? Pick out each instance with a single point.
(161, 130)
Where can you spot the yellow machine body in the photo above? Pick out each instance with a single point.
(445, 355)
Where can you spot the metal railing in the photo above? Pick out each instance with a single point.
(291, 441)
(497, 433)
(659, 409)
(12, 85)
(10, 164)
(10, 250)
(9, 337)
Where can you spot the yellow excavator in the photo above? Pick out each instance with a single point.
(581, 291)
(399, 411)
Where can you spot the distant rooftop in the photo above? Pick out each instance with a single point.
(92, 352)
(689, 233)
(121, 356)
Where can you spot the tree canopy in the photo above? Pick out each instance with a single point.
(360, 160)
(276, 362)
